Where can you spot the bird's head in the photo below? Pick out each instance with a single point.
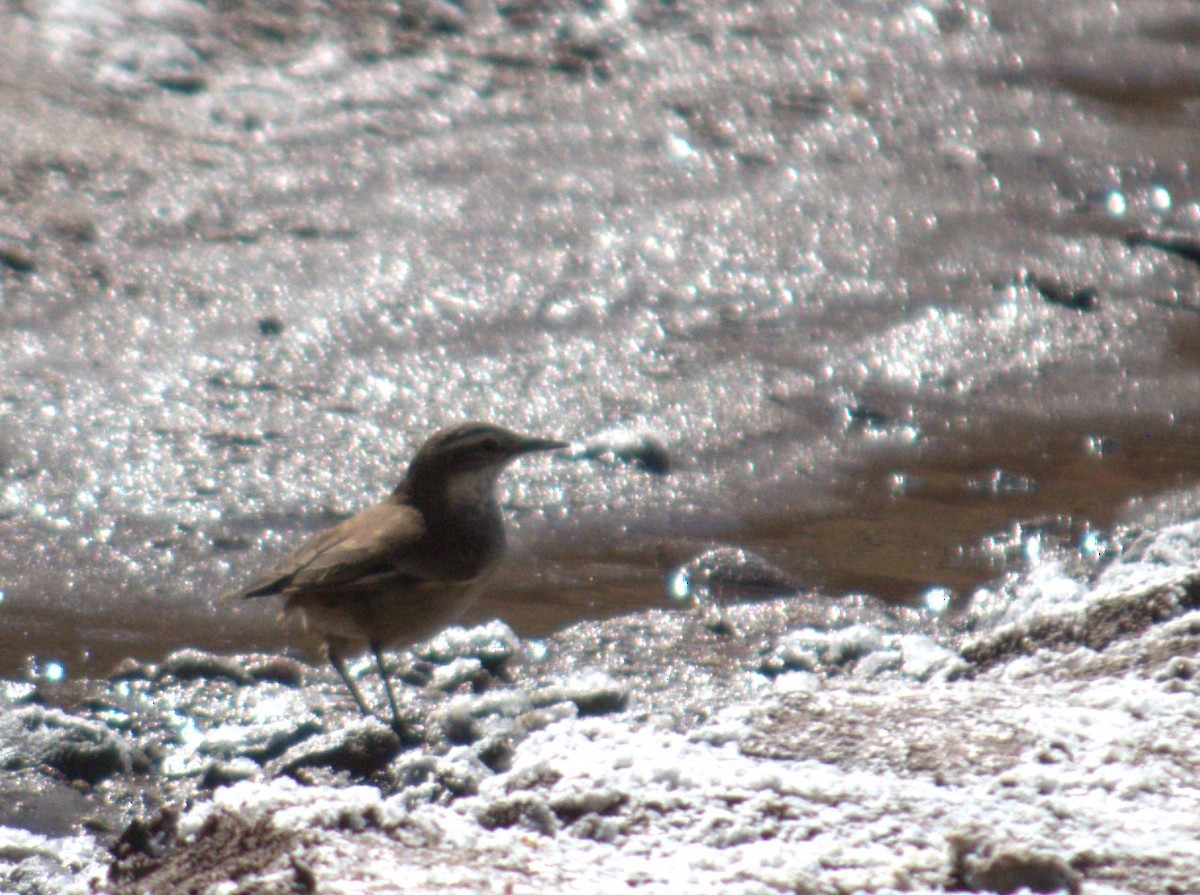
(463, 462)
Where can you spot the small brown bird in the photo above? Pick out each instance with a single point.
(403, 569)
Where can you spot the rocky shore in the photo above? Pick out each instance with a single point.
(799, 745)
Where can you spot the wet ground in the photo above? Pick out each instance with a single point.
(946, 517)
(907, 292)
(787, 745)
(893, 285)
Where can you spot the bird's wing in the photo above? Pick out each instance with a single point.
(375, 541)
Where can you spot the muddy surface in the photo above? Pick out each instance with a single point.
(800, 743)
(906, 293)
(888, 283)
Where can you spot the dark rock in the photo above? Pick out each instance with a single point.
(592, 696)
(980, 866)
(360, 749)
(417, 674)
(279, 670)
(129, 669)
(146, 838)
(626, 446)
(860, 417)
(180, 81)
(1186, 246)
(194, 664)
(1097, 626)
(460, 727)
(16, 258)
(574, 804)
(270, 326)
(527, 810)
(461, 778)
(1058, 293)
(496, 753)
(225, 773)
(78, 749)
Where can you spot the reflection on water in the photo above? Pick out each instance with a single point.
(723, 574)
(903, 316)
(931, 546)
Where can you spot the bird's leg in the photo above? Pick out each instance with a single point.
(397, 722)
(333, 649)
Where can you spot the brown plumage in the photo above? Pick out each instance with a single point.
(403, 569)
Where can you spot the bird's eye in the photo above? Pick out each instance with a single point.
(490, 444)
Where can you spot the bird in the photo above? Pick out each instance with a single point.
(403, 569)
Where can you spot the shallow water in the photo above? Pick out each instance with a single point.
(867, 272)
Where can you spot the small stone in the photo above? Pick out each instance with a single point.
(129, 669)
(599, 695)
(277, 669)
(496, 753)
(644, 450)
(493, 644)
(270, 326)
(460, 727)
(16, 258)
(78, 749)
(521, 809)
(984, 866)
(226, 773)
(360, 749)
(541, 718)
(193, 664)
(1059, 293)
(461, 777)
(460, 671)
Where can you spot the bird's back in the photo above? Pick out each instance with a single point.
(384, 538)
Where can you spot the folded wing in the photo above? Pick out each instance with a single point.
(379, 540)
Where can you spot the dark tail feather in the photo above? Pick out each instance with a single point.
(267, 588)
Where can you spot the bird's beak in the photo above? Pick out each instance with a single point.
(531, 445)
